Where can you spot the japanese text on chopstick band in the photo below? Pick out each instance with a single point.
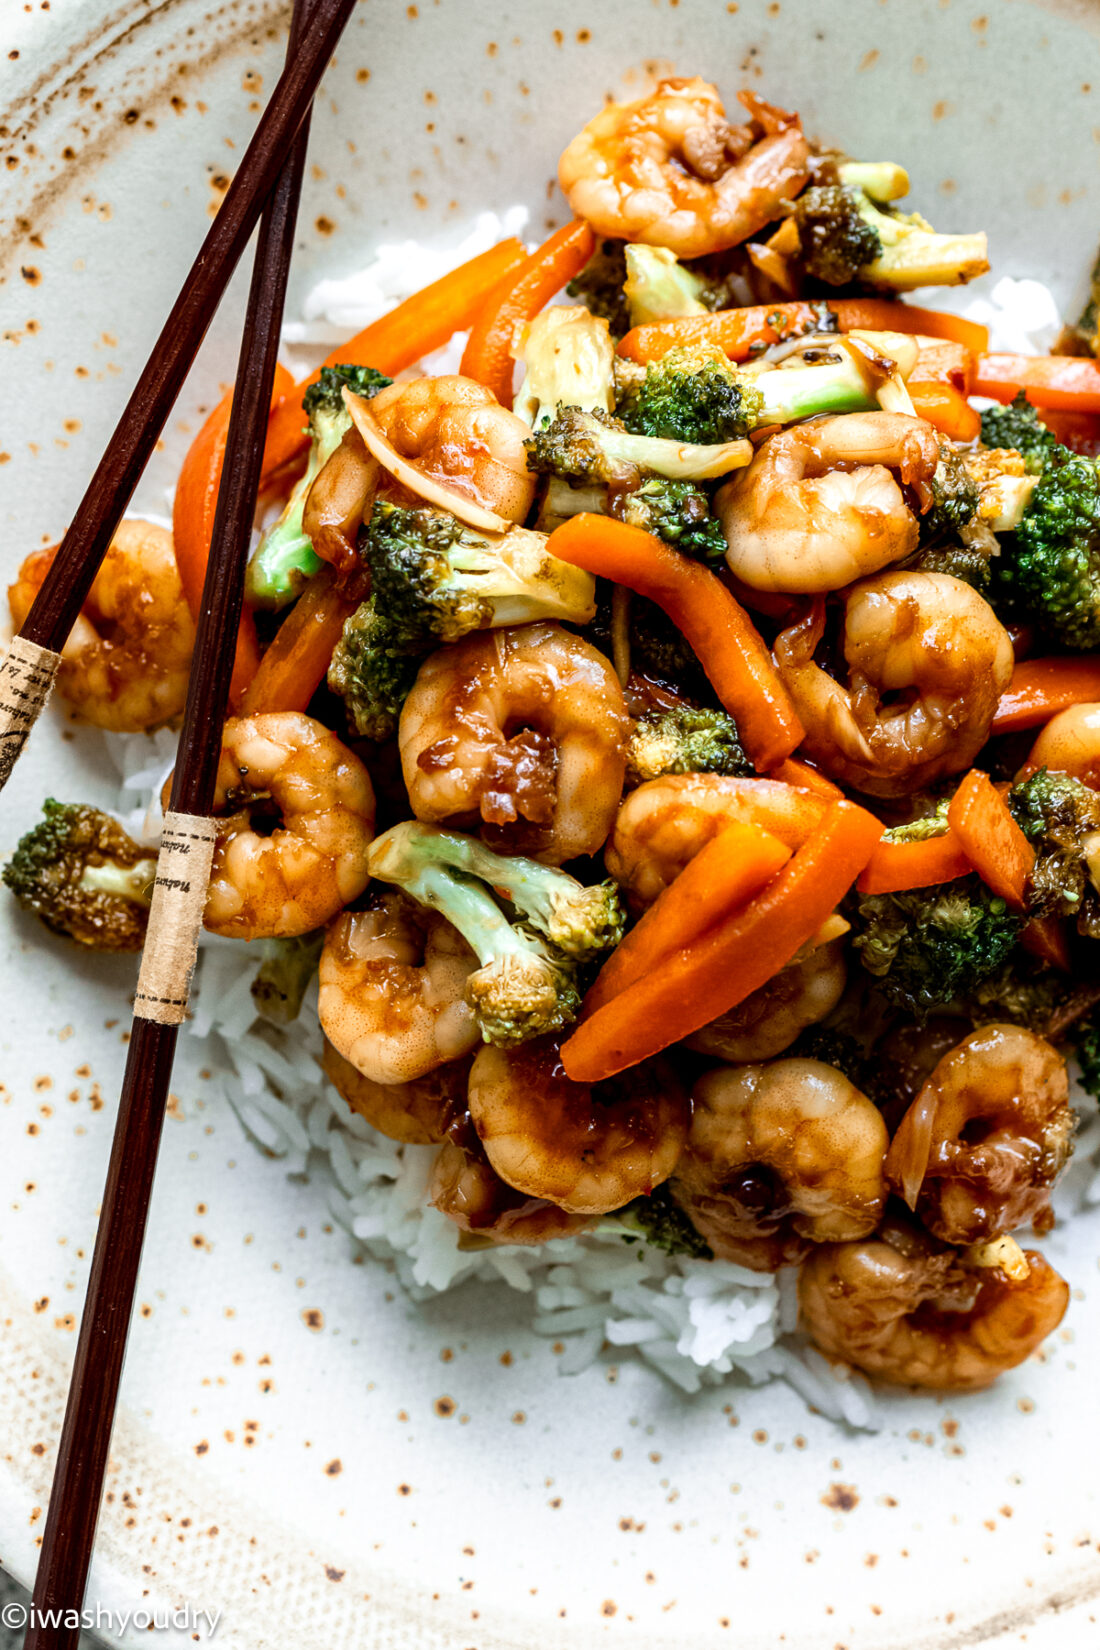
(175, 917)
(26, 677)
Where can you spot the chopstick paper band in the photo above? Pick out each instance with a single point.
(175, 918)
(26, 677)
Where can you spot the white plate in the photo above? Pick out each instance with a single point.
(278, 1456)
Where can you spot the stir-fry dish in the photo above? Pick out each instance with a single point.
(672, 740)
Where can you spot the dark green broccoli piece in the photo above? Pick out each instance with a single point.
(284, 975)
(927, 946)
(659, 1221)
(835, 1048)
(684, 740)
(285, 558)
(599, 286)
(677, 512)
(1018, 427)
(1050, 571)
(1084, 335)
(836, 241)
(80, 873)
(433, 580)
(527, 982)
(1061, 818)
(845, 237)
(691, 395)
(955, 498)
(967, 562)
(1023, 991)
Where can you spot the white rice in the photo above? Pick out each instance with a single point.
(697, 1323)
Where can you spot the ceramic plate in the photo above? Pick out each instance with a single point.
(281, 1453)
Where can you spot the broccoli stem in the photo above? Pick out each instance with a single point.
(881, 180)
(132, 882)
(802, 392)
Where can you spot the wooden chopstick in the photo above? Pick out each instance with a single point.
(29, 664)
(169, 955)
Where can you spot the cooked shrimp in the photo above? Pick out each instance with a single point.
(313, 863)
(586, 1150)
(418, 1112)
(456, 433)
(820, 504)
(664, 823)
(670, 171)
(392, 983)
(524, 727)
(1070, 743)
(981, 1146)
(780, 1155)
(467, 1189)
(903, 1308)
(126, 662)
(925, 637)
(770, 1018)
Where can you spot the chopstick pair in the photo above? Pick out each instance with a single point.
(188, 843)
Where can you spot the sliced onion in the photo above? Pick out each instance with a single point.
(381, 448)
(911, 1147)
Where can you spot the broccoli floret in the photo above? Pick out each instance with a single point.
(833, 1047)
(570, 359)
(599, 286)
(955, 498)
(527, 983)
(285, 558)
(434, 580)
(661, 1222)
(677, 512)
(1023, 991)
(845, 237)
(1084, 335)
(836, 241)
(589, 447)
(692, 395)
(80, 873)
(1018, 427)
(1061, 819)
(920, 829)
(927, 946)
(1050, 573)
(282, 978)
(968, 562)
(684, 740)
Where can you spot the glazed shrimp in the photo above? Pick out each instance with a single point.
(664, 823)
(926, 637)
(587, 1151)
(770, 1018)
(466, 1188)
(670, 171)
(1070, 743)
(796, 522)
(311, 864)
(903, 1308)
(779, 1156)
(392, 983)
(454, 432)
(418, 1112)
(126, 662)
(524, 727)
(981, 1146)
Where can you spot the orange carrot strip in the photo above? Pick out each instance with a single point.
(729, 647)
(1046, 937)
(725, 873)
(737, 331)
(793, 771)
(518, 296)
(895, 866)
(1070, 381)
(1079, 431)
(946, 409)
(1040, 688)
(296, 663)
(942, 362)
(193, 521)
(726, 964)
(395, 341)
(991, 839)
